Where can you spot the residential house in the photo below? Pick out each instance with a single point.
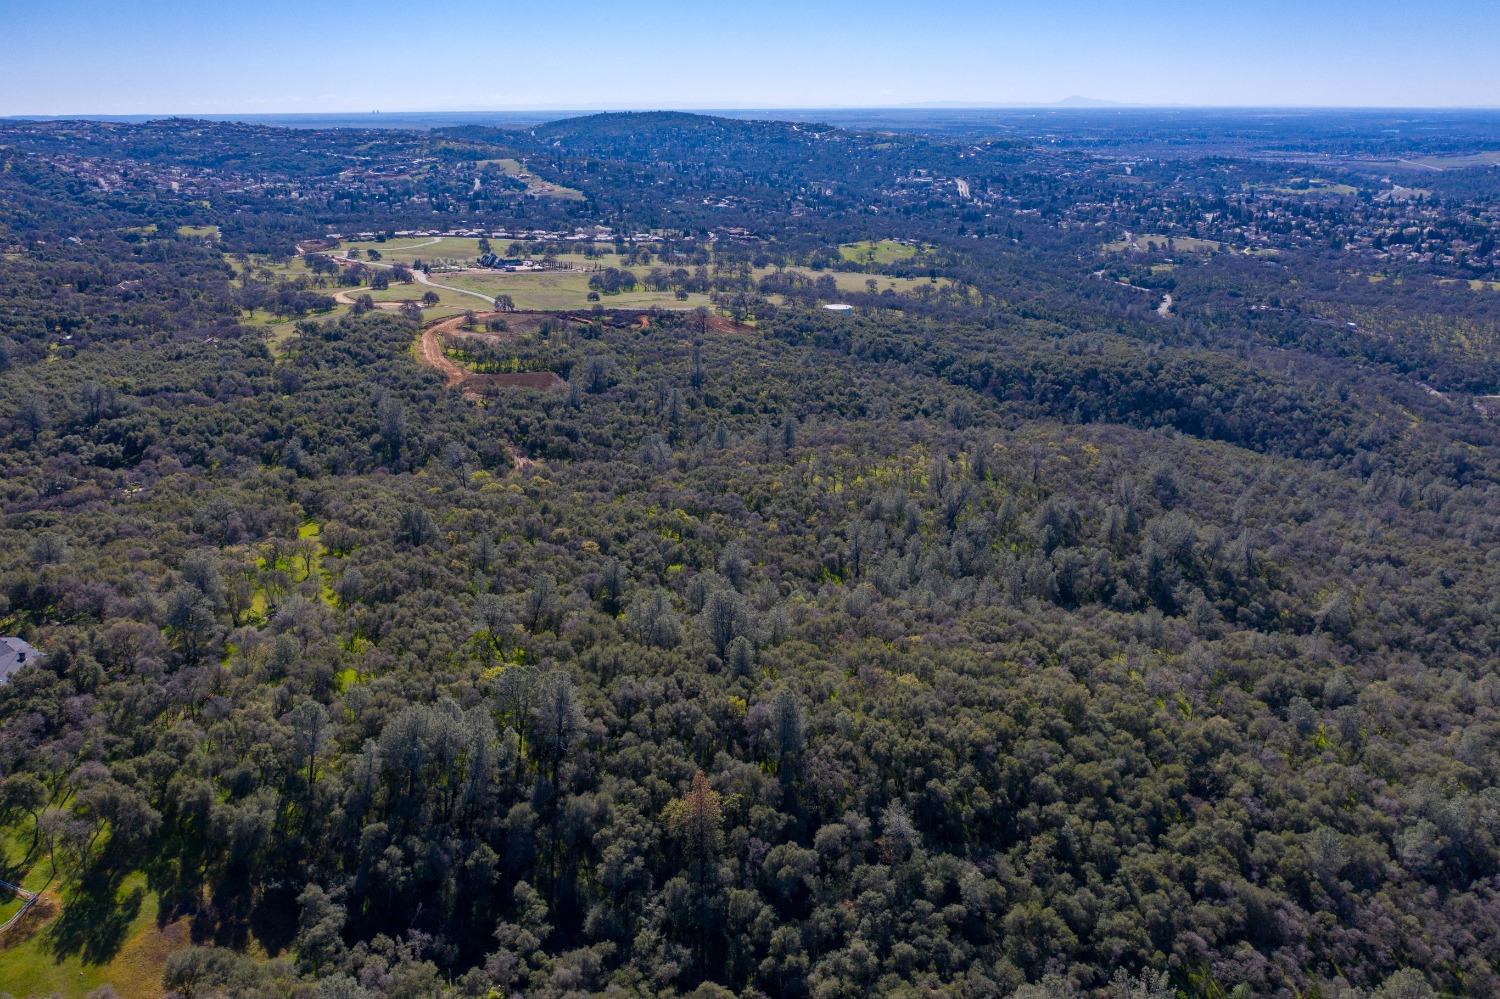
(14, 654)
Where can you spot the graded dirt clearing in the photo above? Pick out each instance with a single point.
(517, 325)
(541, 380)
(433, 352)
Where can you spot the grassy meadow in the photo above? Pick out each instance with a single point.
(881, 252)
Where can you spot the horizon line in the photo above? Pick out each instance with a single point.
(1068, 104)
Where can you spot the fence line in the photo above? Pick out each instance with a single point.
(29, 898)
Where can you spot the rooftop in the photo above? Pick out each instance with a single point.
(14, 653)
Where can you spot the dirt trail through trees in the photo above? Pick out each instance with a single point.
(434, 356)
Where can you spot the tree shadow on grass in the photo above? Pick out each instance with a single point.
(94, 920)
(15, 869)
(178, 883)
(227, 910)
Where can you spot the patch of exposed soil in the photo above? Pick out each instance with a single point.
(38, 915)
(516, 379)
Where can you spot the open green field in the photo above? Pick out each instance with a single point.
(1179, 244)
(461, 249)
(884, 251)
(561, 290)
(850, 282)
(279, 329)
(464, 250)
(1489, 157)
(449, 302)
(534, 185)
(1475, 284)
(200, 231)
(14, 842)
(1151, 241)
(134, 953)
(106, 937)
(265, 269)
(1315, 186)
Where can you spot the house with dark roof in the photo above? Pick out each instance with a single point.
(15, 654)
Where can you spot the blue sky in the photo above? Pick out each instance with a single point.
(169, 56)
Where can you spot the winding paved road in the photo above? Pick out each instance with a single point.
(421, 276)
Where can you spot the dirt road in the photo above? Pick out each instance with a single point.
(424, 279)
(435, 357)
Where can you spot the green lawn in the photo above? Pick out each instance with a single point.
(77, 950)
(552, 291)
(280, 330)
(265, 269)
(1475, 284)
(558, 290)
(882, 252)
(14, 844)
(848, 281)
(46, 964)
(201, 231)
(1152, 241)
(1487, 158)
(1314, 186)
(462, 249)
(1180, 244)
(449, 302)
(313, 531)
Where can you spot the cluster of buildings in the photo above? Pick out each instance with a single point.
(513, 264)
(1383, 223)
(584, 234)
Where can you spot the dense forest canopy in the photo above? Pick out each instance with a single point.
(1102, 601)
